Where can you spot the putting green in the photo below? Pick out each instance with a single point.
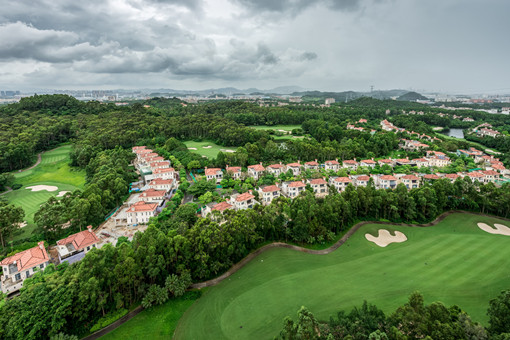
(454, 262)
(53, 170)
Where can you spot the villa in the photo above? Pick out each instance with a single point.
(74, 247)
(268, 193)
(141, 212)
(293, 189)
(213, 174)
(319, 186)
(256, 170)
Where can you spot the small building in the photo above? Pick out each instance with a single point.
(164, 173)
(256, 171)
(410, 181)
(488, 132)
(295, 168)
(451, 177)
(293, 189)
(369, 163)
(221, 207)
(276, 169)
(234, 171)
(350, 164)
(243, 201)
(268, 193)
(431, 177)
(386, 182)
(20, 266)
(361, 180)
(332, 165)
(162, 184)
(340, 183)
(152, 196)
(141, 212)
(388, 161)
(160, 165)
(314, 165)
(74, 247)
(319, 186)
(490, 176)
(421, 162)
(213, 174)
(476, 176)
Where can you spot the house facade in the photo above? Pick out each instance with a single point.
(293, 189)
(256, 170)
(74, 247)
(141, 212)
(213, 174)
(268, 193)
(319, 186)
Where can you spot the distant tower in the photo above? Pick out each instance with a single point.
(371, 88)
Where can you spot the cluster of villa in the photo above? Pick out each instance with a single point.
(493, 172)
(20, 266)
(388, 126)
(484, 129)
(159, 180)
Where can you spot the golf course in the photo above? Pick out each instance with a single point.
(455, 262)
(207, 148)
(53, 173)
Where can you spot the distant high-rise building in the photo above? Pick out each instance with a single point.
(329, 101)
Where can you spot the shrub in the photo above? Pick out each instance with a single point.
(108, 319)
(16, 186)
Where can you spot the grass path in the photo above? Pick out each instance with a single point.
(454, 262)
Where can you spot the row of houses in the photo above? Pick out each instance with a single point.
(389, 126)
(320, 187)
(23, 265)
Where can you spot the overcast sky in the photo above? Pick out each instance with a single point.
(442, 45)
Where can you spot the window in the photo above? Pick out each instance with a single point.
(88, 248)
(42, 266)
(17, 277)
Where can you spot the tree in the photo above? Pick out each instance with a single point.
(499, 314)
(10, 219)
(201, 187)
(156, 295)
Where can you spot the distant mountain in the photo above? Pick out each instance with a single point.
(349, 95)
(411, 97)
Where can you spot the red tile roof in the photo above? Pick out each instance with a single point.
(142, 206)
(80, 240)
(244, 197)
(451, 176)
(332, 162)
(296, 184)
(318, 181)
(343, 179)
(222, 206)
(234, 169)
(490, 173)
(385, 161)
(475, 174)
(410, 177)
(350, 161)
(162, 170)
(160, 181)
(498, 166)
(402, 160)
(313, 163)
(363, 178)
(270, 188)
(212, 171)
(294, 165)
(153, 193)
(275, 166)
(159, 163)
(388, 178)
(431, 176)
(368, 161)
(28, 258)
(256, 167)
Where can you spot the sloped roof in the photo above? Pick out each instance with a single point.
(28, 258)
(318, 181)
(142, 206)
(270, 188)
(244, 197)
(212, 171)
(296, 184)
(256, 167)
(342, 179)
(222, 206)
(80, 240)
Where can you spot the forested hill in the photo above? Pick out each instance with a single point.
(411, 96)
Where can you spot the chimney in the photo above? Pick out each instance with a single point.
(316, 160)
(372, 158)
(227, 167)
(41, 245)
(205, 168)
(89, 228)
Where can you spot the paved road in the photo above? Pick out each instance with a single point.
(9, 189)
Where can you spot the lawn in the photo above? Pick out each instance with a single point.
(454, 262)
(211, 152)
(53, 170)
(276, 127)
(159, 322)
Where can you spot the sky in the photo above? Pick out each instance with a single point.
(456, 46)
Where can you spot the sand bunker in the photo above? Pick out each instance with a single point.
(22, 224)
(227, 150)
(384, 238)
(206, 147)
(43, 187)
(192, 148)
(498, 229)
(62, 193)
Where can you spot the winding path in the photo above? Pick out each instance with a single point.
(251, 256)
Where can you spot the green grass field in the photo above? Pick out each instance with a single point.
(454, 262)
(276, 127)
(209, 152)
(53, 170)
(159, 322)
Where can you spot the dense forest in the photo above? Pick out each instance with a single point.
(178, 247)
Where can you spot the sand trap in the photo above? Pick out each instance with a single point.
(62, 193)
(227, 150)
(204, 156)
(384, 238)
(22, 224)
(498, 229)
(43, 187)
(192, 148)
(206, 147)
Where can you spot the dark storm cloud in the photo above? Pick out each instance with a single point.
(297, 6)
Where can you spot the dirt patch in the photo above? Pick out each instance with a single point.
(42, 187)
(206, 147)
(499, 229)
(385, 238)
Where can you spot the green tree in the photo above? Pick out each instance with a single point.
(10, 219)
